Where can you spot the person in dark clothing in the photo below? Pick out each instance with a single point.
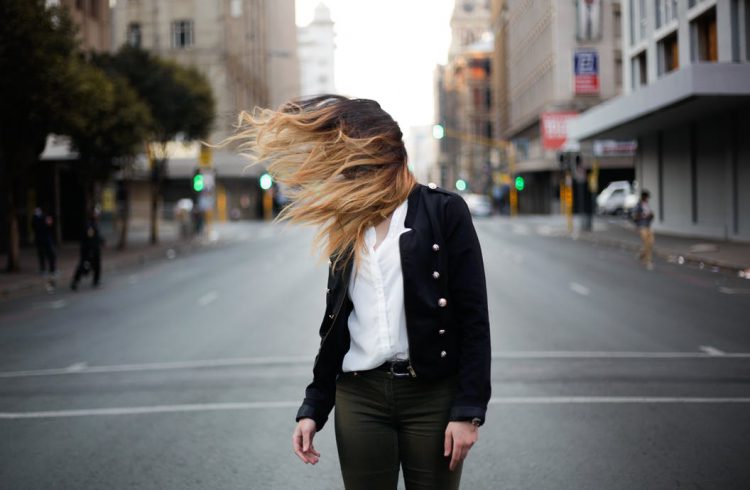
(44, 240)
(91, 253)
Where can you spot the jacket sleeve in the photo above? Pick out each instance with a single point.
(467, 288)
(320, 395)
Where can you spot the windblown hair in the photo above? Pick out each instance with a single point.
(342, 163)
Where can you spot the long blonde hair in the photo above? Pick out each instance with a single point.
(342, 163)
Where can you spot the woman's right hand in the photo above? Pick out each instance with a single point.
(302, 441)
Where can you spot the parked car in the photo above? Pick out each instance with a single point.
(617, 198)
(479, 204)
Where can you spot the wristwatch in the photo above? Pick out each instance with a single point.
(476, 421)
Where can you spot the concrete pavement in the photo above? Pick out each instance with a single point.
(187, 373)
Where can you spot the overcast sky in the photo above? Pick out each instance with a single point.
(387, 50)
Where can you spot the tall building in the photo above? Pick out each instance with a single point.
(560, 58)
(283, 62)
(226, 39)
(94, 21)
(687, 94)
(463, 98)
(316, 54)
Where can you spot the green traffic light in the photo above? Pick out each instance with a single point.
(520, 183)
(198, 183)
(461, 185)
(266, 182)
(438, 131)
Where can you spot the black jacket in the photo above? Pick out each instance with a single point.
(441, 263)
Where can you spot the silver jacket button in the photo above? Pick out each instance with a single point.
(436, 275)
(441, 332)
(436, 247)
(432, 185)
(442, 302)
(443, 354)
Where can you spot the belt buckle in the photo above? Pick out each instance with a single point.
(405, 374)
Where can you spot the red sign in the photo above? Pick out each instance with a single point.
(555, 128)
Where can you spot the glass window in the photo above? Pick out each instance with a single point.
(666, 11)
(638, 70)
(134, 34)
(182, 34)
(669, 55)
(235, 8)
(642, 19)
(703, 45)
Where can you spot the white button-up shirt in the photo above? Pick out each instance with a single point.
(377, 324)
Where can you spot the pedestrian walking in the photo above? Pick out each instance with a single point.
(44, 241)
(643, 216)
(405, 345)
(90, 260)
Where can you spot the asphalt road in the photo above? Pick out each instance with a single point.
(186, 374)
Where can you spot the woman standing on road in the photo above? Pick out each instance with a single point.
(405, 345)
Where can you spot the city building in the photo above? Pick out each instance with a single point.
(227, 40)
(94, 21)
(316, 45)
(463, 99)
(283, 61)
(687, 93)
(247, 50)
(560, 58)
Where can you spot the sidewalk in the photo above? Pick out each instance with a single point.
(137, 252)
(618, 232)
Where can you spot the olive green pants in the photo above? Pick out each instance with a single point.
(384, 423)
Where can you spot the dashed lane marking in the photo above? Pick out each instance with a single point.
(579, 289)
(711, 351)
(727, 290)
(208, 298)
(213, 407)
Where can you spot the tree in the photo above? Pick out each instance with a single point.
(181, 104)
(109, 129)
(37, 45)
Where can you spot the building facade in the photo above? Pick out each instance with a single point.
(560, 58)
(283, 62)
(227, 40)
(463, 99)
(317, 47)
(94, 21)
(687, 94)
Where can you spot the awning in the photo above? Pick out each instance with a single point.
(693, 91)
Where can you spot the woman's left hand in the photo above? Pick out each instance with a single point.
(459, 437)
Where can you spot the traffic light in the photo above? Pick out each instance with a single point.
(266, 181)
(198, 183)
(520, 183)
(438, 131)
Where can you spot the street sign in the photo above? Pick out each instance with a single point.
(555, 128)
(586, 71)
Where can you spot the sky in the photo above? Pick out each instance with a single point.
(387, 50)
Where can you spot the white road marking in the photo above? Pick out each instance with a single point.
(78, 366)
(579, 288)
(208, 298)
(133, 279)
(286, 360)
(520, 230)
(163, 366)
(195, 407)
(726, 290)
(56, 305)
(613, 355)
(512, 400)
(711, 351)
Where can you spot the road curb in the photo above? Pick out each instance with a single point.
(110, 264)
(666, 255)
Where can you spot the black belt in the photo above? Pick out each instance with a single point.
(398, 369)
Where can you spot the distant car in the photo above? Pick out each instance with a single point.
(616, 198)
(479, 204)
